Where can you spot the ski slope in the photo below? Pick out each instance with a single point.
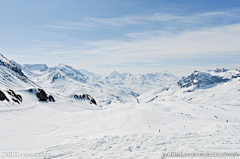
(77, 129)
(199, 113)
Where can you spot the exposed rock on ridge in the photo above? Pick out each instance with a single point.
(85, 97)
(42, 95)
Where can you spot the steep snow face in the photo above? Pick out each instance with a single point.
(14, 86)
(6, 63)
(213, 86)
(12, 77)
(41, 72)
(140, 83)
(25, 71)
(69, 72)
(33, 70)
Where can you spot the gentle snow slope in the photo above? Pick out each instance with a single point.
(81, 130)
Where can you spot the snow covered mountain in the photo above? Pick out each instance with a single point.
(76, 126)
(140, 83)
(15, 86)
(12, 76)
(90, 74)
(213, 86)
(116, 87)
(69, 81)
(69, 72)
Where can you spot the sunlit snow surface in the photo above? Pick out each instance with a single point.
(76, 129)
(167, 119)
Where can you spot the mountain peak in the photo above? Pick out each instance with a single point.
(114, 73)
(6, 63)
(40, 67)
(202, 79)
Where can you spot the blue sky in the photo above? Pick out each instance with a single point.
(136, 36)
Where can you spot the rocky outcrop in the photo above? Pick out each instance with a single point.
(51, 98)
(3, 96)
(42, 95)
(12, 96)
(84, 97)
(200, 79)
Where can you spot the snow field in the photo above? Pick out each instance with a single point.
(76, 129)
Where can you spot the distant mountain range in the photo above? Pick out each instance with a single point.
(214, 86)
(114, 88)
(62, 81)
(140, 83)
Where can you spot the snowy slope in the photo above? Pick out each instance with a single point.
(104, 94)
(16, 89)
(116, 87)
(81, 130)
(69, 81)
(11, 76)
(74, 128)
(213, 86)
(15, 86)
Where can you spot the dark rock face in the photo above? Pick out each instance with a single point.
(93, 101)
(12, 93)
(85, 97)
(200, 79)
(15, 97)
(51, 98)
(3, 96)
(15, 100)
(42, 95)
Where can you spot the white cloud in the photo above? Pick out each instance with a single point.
(150, 47)
(217, 40)
(145, 47)
(91, 22)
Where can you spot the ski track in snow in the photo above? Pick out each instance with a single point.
(76, 129)
(80, 130)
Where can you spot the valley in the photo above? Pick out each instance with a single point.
(68, 114)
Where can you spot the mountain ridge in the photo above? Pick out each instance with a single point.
(213, 86)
